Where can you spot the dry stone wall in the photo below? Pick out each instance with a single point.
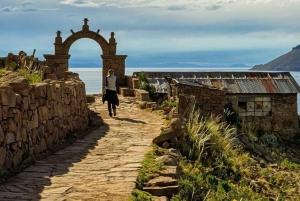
(209, 100)
(33, 117)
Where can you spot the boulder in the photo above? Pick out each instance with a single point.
(167, 160)
(143, 105)
(168, 136)
(90, 98)
(166, 145)
(21, 86)
(175, 124)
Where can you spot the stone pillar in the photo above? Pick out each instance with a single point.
(58, 63)
(117, 63)
(58, 45)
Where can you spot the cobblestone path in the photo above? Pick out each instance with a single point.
(101, 166)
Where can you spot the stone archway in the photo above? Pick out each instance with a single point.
(59, 62)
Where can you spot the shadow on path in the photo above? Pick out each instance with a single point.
(130, 120)
(31, 182)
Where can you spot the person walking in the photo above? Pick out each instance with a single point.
(111, 84)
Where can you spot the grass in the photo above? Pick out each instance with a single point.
(150, 168)
(170, 103)
(32, 77)
(214, 167)
(138, 195)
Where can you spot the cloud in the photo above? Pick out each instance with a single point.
(169, 5)
(176, 8)
(213, 7)
(26, 4)
(82, 3)
(8, 9)
(25, 7)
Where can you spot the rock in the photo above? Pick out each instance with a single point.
(9, 138)
(173, 113)
(1, 135)
(9, 159)
(43, 112)
(143, 105)
(90, 98)
(175, 124)
(17, 158)
(150, 104)
(167, 160)
(170, 171)
(2, 155)
(162, 198)
(174, 140)
(162, 191)
(21, 86)
(166, 145)
(168, 136)
(163, 181)
(7, 96)
(174, 152)
(167, 110)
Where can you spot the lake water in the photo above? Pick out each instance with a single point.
(92, 77)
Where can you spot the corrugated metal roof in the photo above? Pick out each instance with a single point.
(235, 82)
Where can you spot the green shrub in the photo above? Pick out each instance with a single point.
(11, 66)
(138, 195)
(286, 164)
(150, 168)
(170, 103)
(145, 85)
(32, 77)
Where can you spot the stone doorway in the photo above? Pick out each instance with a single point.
(59, 61)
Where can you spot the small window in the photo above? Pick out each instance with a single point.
(254, 106)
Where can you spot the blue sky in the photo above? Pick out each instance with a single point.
(157, 32)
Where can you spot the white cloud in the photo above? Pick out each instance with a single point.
(8, 9)
(174, 4)
(25, 7)
(82, 3)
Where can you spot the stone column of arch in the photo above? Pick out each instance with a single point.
(59, 62)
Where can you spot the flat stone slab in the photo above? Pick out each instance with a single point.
(162, 191)
(170, 171)
(163, 181)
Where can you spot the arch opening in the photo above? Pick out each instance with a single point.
(86, 61)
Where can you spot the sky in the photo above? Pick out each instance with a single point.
(156, 32)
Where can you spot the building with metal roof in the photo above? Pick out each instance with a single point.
(267, 100)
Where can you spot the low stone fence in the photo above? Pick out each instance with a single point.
(209, 100)
(34, 117)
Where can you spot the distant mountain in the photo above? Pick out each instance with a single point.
(287, 62)
(239, 65)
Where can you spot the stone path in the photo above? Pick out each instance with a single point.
(102, 166)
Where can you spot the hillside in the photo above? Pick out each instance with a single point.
(287, 62)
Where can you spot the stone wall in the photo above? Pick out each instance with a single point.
(33, 117)
(283, 118)
(209, 100)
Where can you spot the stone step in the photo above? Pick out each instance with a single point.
(126, 92)
(162, 198)
(162, 191)
(170, 171)
(163, 181)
